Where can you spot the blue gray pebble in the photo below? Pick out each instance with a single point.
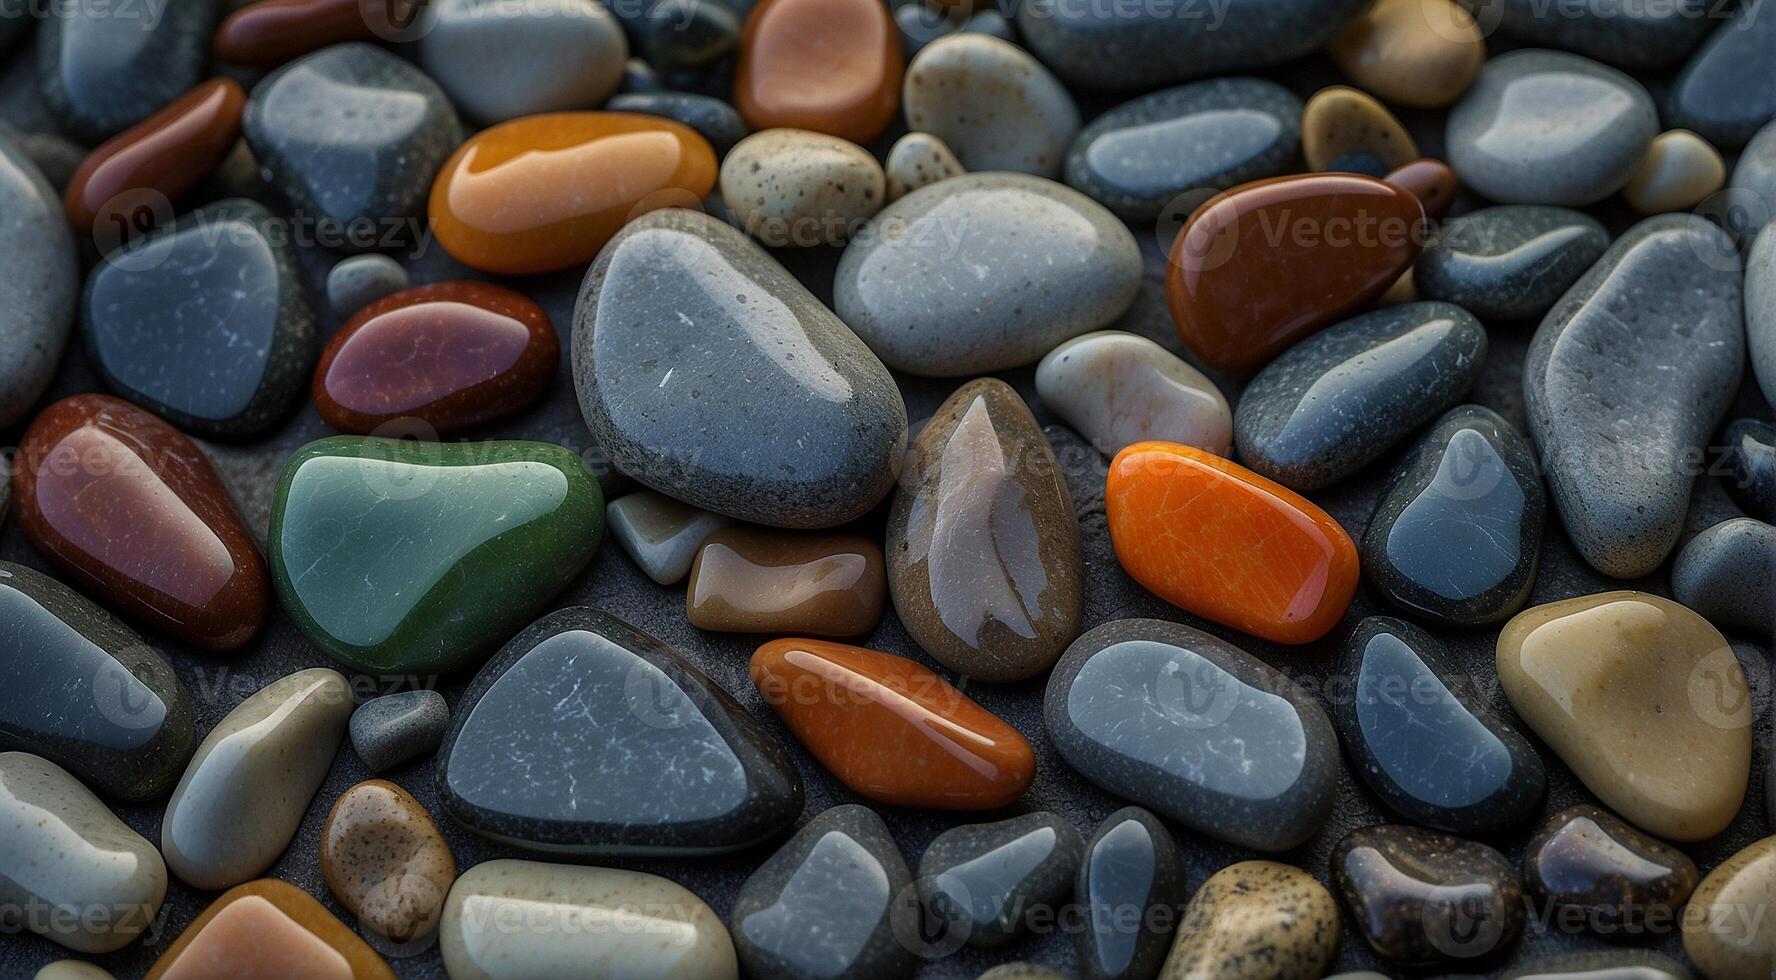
(392, 729)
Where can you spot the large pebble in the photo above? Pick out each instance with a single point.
(41, 285)
(1131, 881)
(385, 861)
(1633, 37)
(1620, 883)
(1727, 90)
(1422, 897)
(795, 187)
(917, 159)
(1418, 53)
(1009, 266)
(1509, 262)
(1626, 377)
(984, 884)
(1256, 919)
(1118, 388)
(394, 728)
(832, 66)
(1679, 170)
(1728, 928)
(991, 103)
(1728, 574)
(1760, 311)
(269, 930)
(499, 60)
(103, 66)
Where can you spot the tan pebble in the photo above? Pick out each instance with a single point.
(1402, 291)
(1678, 172)
(1418, 53)
(918, 159)
(1256, 920)
(1729, 927)
(795, 187)
(1021, 970)
(1340, 120)
(71, 970)
(385, 861)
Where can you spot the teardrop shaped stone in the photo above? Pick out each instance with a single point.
(985, 883)
(585, 736)
(269, 930)
(1424, 897)
(1131, 882)
(1624, 884)
(402, 557)
(983, 543)
(1509, 262)
(707, 372)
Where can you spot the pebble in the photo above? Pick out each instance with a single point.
(1510, 262)
(584, 736)
(1726, 92)
(498, 61)
(1021, 970)
(154, 161)
(242, 797)
(41, 285)
(264, 929)
(1131, 881)
(1642, 699)
(84, 692)
(351, 135)
(208, 326)
(1457, 536)
(1679, 171)
(1431, 181)
(360, 280)
(1644, 38)
(1727, 929)
(674, 35)
(993, 104)
(1341, 122)
(1628, 373)
(270, 32)
(916, 160)
(1166, 152)
(713, 119)
(1256, 919)
(580, 922)
(72, 970)
(103, 69)
(62, 848)
(385, 861)
(1748, 466)
(1422, 897)
(1728, 574)
(1760, 312)
(55, 155)
(1628, 964)
(983, 883)
(1343, 397)
(794, 187)
(1752, 191)
(832, 66)
(395, 728)
(1421, 736)
(659, 534)
(891, 730)
(921, 23)
(677, 308)
(1238, 296)
(128, 509)
(1422, 54)
(1582, 137)
(1623, 883)
(1262, 559)
(754, 580)
(1060, 266)
(403, 557)
(1117, 388)
(1195, 729)
(833, 901)
(983, 547)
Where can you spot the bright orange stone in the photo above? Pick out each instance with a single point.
(832, 66)
(892, 730)
(269, 930)
(1218, 540)
(546, 192)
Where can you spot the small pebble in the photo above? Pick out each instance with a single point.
(832, 66)
(499, 60)
(385, 861)
(1680, 170)
(985, 883)
(358, 281)
(918, 159)
(756, 580)
(1256, 919)
(1509, 262)
(1621, 883)
(993, 104)
(394, 728)
(1728, 574)
(1749, 466)
(793, 187)
(1341, 122)
(1118, 388)
(678, 34)
(661, 535)
(1430, 180)
(1421, 897)
(1131, 882)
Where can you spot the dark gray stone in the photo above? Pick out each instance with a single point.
(1420, 897)
(1748, 466)
(1196, 730)
(1632, 36)
(38, 290)
(584, 736)
(982, 883)
(1751, 192)
(1728, 574)
(1131, 885)
(710, 374)
(718, 121)
(206, 325)
(1170, 151)
(1627, 964)
(361, 280)
(675, 35)
(1597, 870)
(1727, 90)
(500, 60)
(639, 76)
(1760, 311)
(105, 66)
(1509, 262)
(920, 24)
(394, 728)
(56, 156)
(1626, 378)
(1338, 400)
(835, 901)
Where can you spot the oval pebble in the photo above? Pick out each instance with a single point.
(1728, 574)
(794, 187)
(1430, 180)
(1256, 919)
(41, 286)
(385, 861)
(1117, 388)
(1418, 53)
(1340, 123)
(358, 281)
(717, 121)
(499, 61)
(1509, 262)
(918, 159)
(993, 104)
(1679, 170)
(832, 66)
(394, 728)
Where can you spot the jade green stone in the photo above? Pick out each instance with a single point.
(400, 557)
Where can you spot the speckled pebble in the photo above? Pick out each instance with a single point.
(993, 104)
(1679, 170)
(795, 187)
(1256, 919)
(394, 728)
(918, 159)
(1728, 574)
(385, 861)
(1340, 121)
(1422, 897)
(104, 66)
(361, 280)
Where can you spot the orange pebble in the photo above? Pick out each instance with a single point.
(269, 929)
(1218, 540)
(832, 66)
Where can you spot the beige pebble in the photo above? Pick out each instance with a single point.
(72, 970)
(1418, 53)
(1678, 172)
(384, 859)
(1729, 927)
(1021, 970)
(1340, 121)
(992, 103)
(918, 159)
(1255, 920)
(1404, 290)
(1117, 388)
(797, 188)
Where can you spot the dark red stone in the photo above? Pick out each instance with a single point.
(1431, 181)
(272, 32)
(142, 169)
(129, 509)
(452, 355)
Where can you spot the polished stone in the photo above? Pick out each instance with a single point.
(1634, 37)
(1341, 122)
(659, 534)
(268, 930)
(752, 580)
(360, 280)
(395, 728)
(918, 159)
(154, 161)
(271, 32)
(1622, 883)
(832, 66)
(1727, 90)
(1748, 466)
(1421, 897)
(1760, 311)
(385, 861)
(1509, 262)
(1117, 388)
(1417, 53)
(103, 67)
(795, 187)
(41, 287)
(1256, 919)
(1629, 964)
(984, 883)
(1728, 574)
(713, 119)
(1431, 181)
(992, 103)
(499, 61)
(1679, 171)
(1130, 882)
(1727, 928)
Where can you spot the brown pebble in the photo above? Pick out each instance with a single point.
(385, 861)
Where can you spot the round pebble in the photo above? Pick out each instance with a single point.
(394, 728)
(361, 280)
(793, 187)
(992, 103)
(384, 860)
(918, 159)
(1341, 122)
(1679, 170)
(1728, 574)
(1418, 53)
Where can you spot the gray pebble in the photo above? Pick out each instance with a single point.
(660, 534)
(718, 121)
(499, 60)
(993, 104)
(984, 882)
(918, 159)
(106, 66)
(361, 280)
(1727, 90)
(37, 293)
(394, 728)
(1509, 262)
(1760, 310)
(1751, 193)
(1631, 36)
(1728, 574)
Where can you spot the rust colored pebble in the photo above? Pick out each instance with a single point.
(754, 580)
(272, 32)
(269, 930)
(1431, 181)
(832, 66)
(130, 509)
(153, 162)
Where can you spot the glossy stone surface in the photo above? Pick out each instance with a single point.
(1457, 536)
(1430, 180)
(1727, 90)
(1342, 398)
(1421, 737)
(1196, 730)
(1129, 880)
(394, 728)
(918, 159)
(586, 737)
(1117, 388)
(155, 160)
(983, 542)
(385, 861)
(208, 326)
(751, 580)
(1424, 897)
(1642, 699)
(1238, 297)
(1168, 151)
(890, 729)
(1261, 558)
(686, 35)
(1749, 466)
(1256, 918)
(1547, 127)
(833, 901)
(1628, 964)
(659, 534)
(1410, 52)
(450, 355)
(1632, 37)
(1509, 262)
(677, 308)
(992, 103)
(1728, 574)
(982, 883)
(360, 280)
(404, 557)
(103, 68)
(1627, 374)
(61, 847)
(1725, 928)
(796, 187)
(1340, 123)
(1679, 170)
(85, 692)
(129, 509)
(1624, 883)
(713, 119)
(266, 930)
(42, 283)
(832, 66)
(656, 930)
(498, 61)
(271, 32)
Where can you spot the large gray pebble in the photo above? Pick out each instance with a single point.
(38, 291)
(500, 60)
(1631, 36)
(995, 106)
(1728, 574)
(1727, 90)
